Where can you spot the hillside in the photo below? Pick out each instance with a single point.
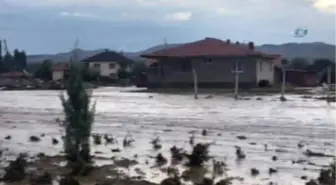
(289, 50)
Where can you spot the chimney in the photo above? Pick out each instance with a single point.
(228, 41)
(251, 45)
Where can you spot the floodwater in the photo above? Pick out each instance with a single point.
(144, 116)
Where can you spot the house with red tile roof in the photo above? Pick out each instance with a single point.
(215, 62)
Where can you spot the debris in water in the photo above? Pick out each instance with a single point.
(34, 139)
(115, 150)
(274, 158)
(108, 140)
(240, 153)
(125, 163)
(41, 154)
(192, 140)
(199, 155)
(204, 132)
(156, 143)
(209, 96)
(176, 153)
(160, 160)
(42, 135)
(272, 170)
(254, 172)
(218, 168)
(282, 98)
(54, 141)
(300, 145)
(127, 141)
(242, 137)
(96, 139)
(16, 171)
(265, 147)
(304, 177)
(8, 137)
(310, 153)
(172, 172)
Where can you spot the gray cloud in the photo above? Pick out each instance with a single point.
(122, 21)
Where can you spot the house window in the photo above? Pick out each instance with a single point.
(186, 66)
(237, 66)
(260, 65)
(111, 65)
(96, 66)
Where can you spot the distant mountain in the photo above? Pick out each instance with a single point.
(63, 57)
(289, 50)
(307, 50)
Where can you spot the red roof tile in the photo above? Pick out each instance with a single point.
(207, 47)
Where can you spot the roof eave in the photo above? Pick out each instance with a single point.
(198, 56)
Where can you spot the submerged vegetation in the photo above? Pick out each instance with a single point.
(79, 118)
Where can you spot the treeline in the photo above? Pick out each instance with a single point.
(316, 65)
(16, 61)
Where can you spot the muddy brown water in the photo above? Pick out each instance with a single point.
(145, 116)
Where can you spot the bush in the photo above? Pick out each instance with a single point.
(123, 74)
(199, 155)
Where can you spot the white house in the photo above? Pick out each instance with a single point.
(58, 71)
(265, 71)
(108, 63)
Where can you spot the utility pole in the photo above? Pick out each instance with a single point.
(329, 84)
(195, 83)
(283, 86)
(236, 71)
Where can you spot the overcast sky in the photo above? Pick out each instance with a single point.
(51, 26)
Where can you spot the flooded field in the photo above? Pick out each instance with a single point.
(279, 125)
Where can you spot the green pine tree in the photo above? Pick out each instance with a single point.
(79, 118)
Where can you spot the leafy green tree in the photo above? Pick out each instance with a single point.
(320, 64)
(44, 71)
(2, 66)
(21, 60)
(123, 74)
(138, 68)
(7, 61)
(89, 74)
(299, 63)
(79, 118)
